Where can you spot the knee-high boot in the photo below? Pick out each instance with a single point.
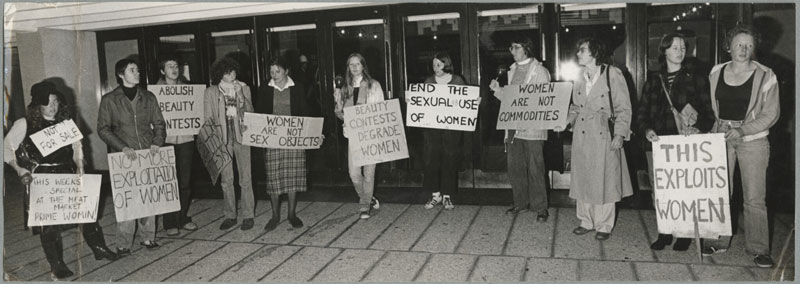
(54, 252)
(93, 235)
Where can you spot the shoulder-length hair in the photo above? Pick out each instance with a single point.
(444, 57)
(596, 48)
(666, 43)
(526, 43)
(221, 67)
(36, 120)
(349, 77)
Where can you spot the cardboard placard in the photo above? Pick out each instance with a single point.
(145, 186)
(375, 132)
(57, 199)
(442, 106)
(691, 181)
(50, 139)
(282, 131)
(212, 150)
(181, 106)
(535, 106)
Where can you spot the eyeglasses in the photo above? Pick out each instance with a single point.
(514, 46)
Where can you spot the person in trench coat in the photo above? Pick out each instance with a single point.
(599, 170)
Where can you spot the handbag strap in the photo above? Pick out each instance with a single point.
(666, 93)
(608, 82)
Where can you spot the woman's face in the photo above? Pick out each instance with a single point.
(438, 67)
(171, 70)
(676, 52)
(354, 64)
(130, 77)
(518, 51)
(278, 73)
(742, 47)
(49, 111)
(229, 77)
(585, 55)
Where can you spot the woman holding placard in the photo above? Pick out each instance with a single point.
(600, 114)
(525, 157)
(674, 101)
(286, 168)
(442, 145)
(48, 108)
(746, 105)
(359, 88)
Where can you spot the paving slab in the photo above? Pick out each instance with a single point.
(257, 264)
(40, 266)
(765, 274)
(215, 263)
(488, 233)
(721, 273)
(404, 232)
(302, 266)
(569, 245)
(260, 221)
(324, 232)
(176, 261)
(447, 268)
(531, 238)
(591, 270)
(212, 231)
(120, 268)
(350, 266)
(207, 220)
(362, 234)
(447, 230)
(653, 271)
(551, 270)
(397, 266)
(498, 269)
(285, 234)
(628, 240)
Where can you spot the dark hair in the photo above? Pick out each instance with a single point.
(666, 43)
(280, 62)
(36, 120)
(163, 63)
(526, 43)
(348, 78)
(596, 48)
(221, 67)
(742, 29)
(119, 68)
(445, 58)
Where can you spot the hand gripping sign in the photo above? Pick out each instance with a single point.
(442, 106)
(57, 199)
(146, 186)
(52, 138)
(375, 132)
(182, 107)
(535, 106)
(281, 131)
(691, 183)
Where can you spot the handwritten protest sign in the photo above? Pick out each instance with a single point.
(375, 132)
(535, 106)
(691, 181)
(182, 107)
(282, 132)
(57, 199)
(145, 186)
(212, 150)
(50, 139)
(442, 106)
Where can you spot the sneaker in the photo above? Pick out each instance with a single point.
(227, 224)
(448, 204)
(173, 232)
(763, 260)
(435, 200)
(375, 203)
(708, 251)
(190, 226)
(365, 213)
(150, 244)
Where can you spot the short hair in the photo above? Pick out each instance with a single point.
(163, 62)
(119, 68)
(445, 58)
(221, 67)
(526, 43)
(279, 61)
(596, 48)
(741, 29)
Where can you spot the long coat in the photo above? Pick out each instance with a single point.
(599, 175)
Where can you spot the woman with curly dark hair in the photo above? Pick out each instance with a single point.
(48, 108)
(225, 103)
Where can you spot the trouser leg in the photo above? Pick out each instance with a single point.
(518, 171)
(432, 177)
(245, 180)
(228, 193)
(183, 165)
(124, 236)
(537, 190)
(753, 168)
(451, 146)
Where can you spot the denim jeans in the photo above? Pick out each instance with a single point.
(126, 230)
(441, 160)
(183, 165)
(241, 155)
(363, 180)
(527, 174)
(754, 159)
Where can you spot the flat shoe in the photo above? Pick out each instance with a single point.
(271, 225)
(296, 222)
(581, 231)
(602, 236)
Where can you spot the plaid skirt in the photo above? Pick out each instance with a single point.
(286, 170)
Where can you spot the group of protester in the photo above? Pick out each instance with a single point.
(739, 98)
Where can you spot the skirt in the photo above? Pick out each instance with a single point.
(286, 170)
